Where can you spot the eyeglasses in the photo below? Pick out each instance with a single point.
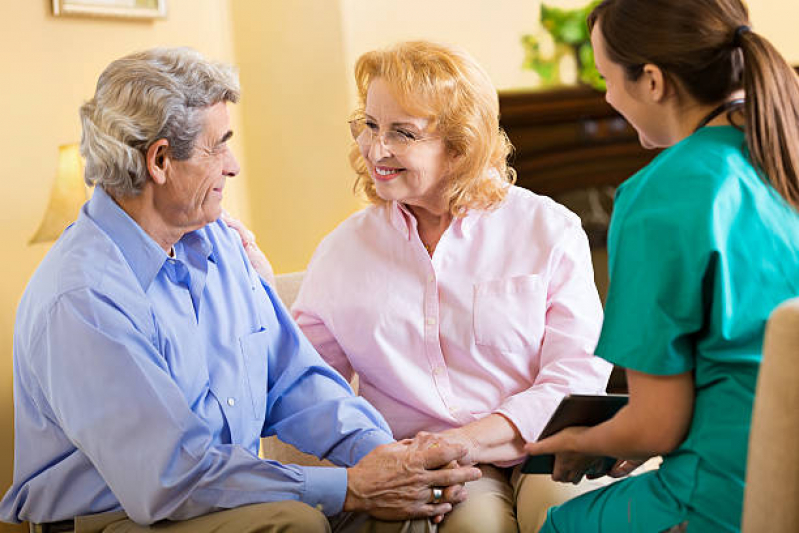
(366, 132)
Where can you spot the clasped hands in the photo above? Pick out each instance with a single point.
(421, 477)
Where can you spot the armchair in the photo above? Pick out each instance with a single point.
(772, 479)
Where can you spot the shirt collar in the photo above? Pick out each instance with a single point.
(402, 219)
(198, 242)
(141, 252)
(465, 224)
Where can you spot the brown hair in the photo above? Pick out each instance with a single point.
(447, 86)
(708, 47)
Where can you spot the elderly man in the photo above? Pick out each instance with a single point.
(149, 358)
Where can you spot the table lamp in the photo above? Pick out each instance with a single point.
(67, 196)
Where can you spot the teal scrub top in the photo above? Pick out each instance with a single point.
(701, 250)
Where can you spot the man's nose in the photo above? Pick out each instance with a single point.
(231, 167)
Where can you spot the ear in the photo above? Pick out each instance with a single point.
(157, 160)
(654, 83)
(453, 160)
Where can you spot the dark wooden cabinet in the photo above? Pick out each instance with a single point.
(569, 139)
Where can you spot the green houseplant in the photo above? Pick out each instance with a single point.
(569, 32)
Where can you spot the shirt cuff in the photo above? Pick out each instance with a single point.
(531, 412)
(367, 442)
(325, 488)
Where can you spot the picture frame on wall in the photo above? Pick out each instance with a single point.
(135, 9)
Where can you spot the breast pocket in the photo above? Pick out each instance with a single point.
(510, 313)
(255, 351)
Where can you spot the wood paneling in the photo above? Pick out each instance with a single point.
(569, 139)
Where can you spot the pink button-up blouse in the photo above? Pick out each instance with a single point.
(503, 318)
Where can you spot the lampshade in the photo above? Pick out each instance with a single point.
(67, 196)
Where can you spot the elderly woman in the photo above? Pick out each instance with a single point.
(466, 305)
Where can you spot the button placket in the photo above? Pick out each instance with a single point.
(435, 355)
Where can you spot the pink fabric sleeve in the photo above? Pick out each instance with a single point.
(573, 322)
(307, 314)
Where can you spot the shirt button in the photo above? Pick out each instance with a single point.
(431, 279)
(231, 401)
(438, 371)
(453, 408)
(431, 321)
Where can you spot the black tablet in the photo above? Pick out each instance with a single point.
(575, 410)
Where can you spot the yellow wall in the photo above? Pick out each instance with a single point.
(776, 19)
(490, 31)
(295, 113)
(295, 60)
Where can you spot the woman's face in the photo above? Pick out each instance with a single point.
(629, 97)
(414, 174)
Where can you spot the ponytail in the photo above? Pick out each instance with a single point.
(709, 47)
(772, 113)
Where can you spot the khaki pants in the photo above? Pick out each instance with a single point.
(505, 500)
(501, 501)
(278, 517)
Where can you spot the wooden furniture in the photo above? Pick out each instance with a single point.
(569, 139)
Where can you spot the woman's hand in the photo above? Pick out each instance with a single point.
(460, 437)
(570, 464)
(492, 439)
(624, 467)
(257, 258)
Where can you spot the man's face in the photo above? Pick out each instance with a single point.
(191, 197)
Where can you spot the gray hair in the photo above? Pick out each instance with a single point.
(144, 97)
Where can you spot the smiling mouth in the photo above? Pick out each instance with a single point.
(387, 173)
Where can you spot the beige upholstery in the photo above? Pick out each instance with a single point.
(771, 500)
(287, 286)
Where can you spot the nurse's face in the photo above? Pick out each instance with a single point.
(630, 97)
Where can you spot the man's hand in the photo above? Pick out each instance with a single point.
(396, 481)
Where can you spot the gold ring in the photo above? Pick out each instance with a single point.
(437, 494)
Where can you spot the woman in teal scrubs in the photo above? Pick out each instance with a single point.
(704, 244)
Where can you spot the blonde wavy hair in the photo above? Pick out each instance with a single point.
(141, 98)
(446, 86)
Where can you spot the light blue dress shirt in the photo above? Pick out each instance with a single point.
(144, 383)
